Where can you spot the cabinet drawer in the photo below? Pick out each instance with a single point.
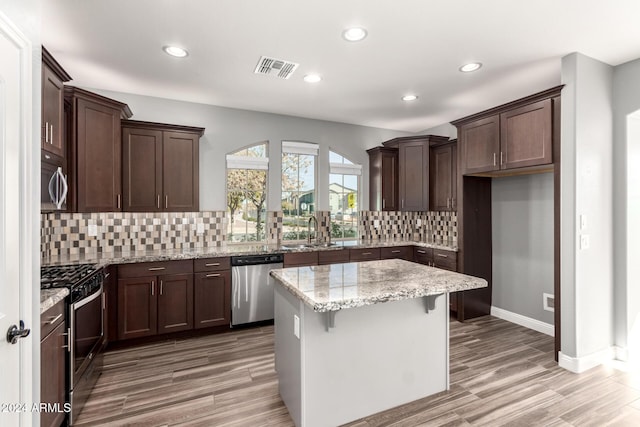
(364, 254)
(401, 252)
(155, 268)
(445, 259)
(298, 259)
(51, 318)
(423, 255)
(211, 264)
(333, 257)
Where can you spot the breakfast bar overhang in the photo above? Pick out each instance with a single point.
(358, 338)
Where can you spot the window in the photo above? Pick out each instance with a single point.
(247, 194)
(298, 188)
(344, 177)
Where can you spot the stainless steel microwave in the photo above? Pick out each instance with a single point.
(54, 187)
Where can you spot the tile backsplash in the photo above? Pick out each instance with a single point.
(68, 234)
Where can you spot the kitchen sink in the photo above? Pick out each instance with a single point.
(307, 246)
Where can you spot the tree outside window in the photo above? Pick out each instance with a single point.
(298, 189)
(247, 194)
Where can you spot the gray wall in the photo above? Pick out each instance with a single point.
(586, 189)
(522, 235)
(626, 198)
(228, 130)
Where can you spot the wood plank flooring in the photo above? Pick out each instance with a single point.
(501, 374)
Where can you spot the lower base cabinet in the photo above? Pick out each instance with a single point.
(212, 288)
(52, 363)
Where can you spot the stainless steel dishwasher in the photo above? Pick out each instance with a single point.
(252, 287)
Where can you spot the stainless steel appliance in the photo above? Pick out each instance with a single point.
(53, 185)
(85, 329)
(252, 287)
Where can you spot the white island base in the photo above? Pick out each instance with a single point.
(374, 357)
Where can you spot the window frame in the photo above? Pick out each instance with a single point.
(352, 166)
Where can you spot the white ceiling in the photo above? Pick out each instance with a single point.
(413, 46)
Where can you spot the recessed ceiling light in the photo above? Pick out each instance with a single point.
(176, 51)
(472, 66)
(312, 78)
(354, 34)
(410, 97)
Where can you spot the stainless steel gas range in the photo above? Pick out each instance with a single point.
(85, 329)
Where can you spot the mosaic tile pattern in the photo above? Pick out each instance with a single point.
(63, 233)
(422, 226)
(273, 227)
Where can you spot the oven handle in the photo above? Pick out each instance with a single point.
(98, 294)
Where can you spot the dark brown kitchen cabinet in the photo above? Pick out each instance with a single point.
(480, 145)
(526, 136)
(423, 255)
(53, 77)
(413, 170)
(333, 257)
(154, 298)
(443, 177)
(300, 259)
(383, 179)
(397, 252)
(364, 254)
(110, 285)
(52, 363)
(96, 151)
(212, 292)
(444, 259)
(160, 167)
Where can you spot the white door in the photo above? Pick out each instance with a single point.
(16, 224)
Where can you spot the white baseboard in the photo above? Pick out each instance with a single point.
(584, 363)
(521, 320)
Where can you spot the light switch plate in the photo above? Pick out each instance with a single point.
(92, 230)
(296, 326)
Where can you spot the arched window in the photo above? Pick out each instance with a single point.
(344, 196)
(247, 193)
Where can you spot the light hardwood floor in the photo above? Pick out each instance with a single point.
(501, 374)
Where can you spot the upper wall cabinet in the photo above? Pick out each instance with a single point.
(383, 179)
(96, 150)
(160, 167)
(413, 170)
(512, 136)
(443, 177)
(53, 77)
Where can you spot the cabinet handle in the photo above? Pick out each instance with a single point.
(453, 203)
(51, 135)
(501, 158)
(213, 264)
(494, 159)
(383, 204)
(403, 203)
(366, 253)
(443, 256)
(161, 287)
(46, 132)
(153, 285)
(448, 203)
(157, 268)
(118, 201)
(54, 320)
(395, 252)
(422, 252)
(213, 275)
(69, 345)
(158, 201)
(166, 201)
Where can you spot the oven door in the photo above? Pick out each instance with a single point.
(87, 333)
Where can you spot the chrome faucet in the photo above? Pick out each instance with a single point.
(312, 219)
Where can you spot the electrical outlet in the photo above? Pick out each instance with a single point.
(296, 326)
(376, 223)
(419, 222)
(92, 230)
(548, 302)
(199, 228)
(584, 241)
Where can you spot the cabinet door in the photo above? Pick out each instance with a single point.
(423, 255)
(365, 254)
(212, 293)
(52, 112)
(413, 176)
(398, 252)
(525, 135)
(180, 171)
(333, 257)
(441, 177)
(300, 259)
(383, 179)
(175, 303)
(52, 371)
(141, 170)
(447, 260)
(99, 157)
(137, 307)
(480, 145)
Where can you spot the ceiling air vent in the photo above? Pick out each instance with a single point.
(275, 67)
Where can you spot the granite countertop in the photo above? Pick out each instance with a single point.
(338, 286)
(129, 257)
(50, 297)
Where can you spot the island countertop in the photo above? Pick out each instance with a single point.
(338, 286)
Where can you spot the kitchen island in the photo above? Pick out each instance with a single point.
(342, 354)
